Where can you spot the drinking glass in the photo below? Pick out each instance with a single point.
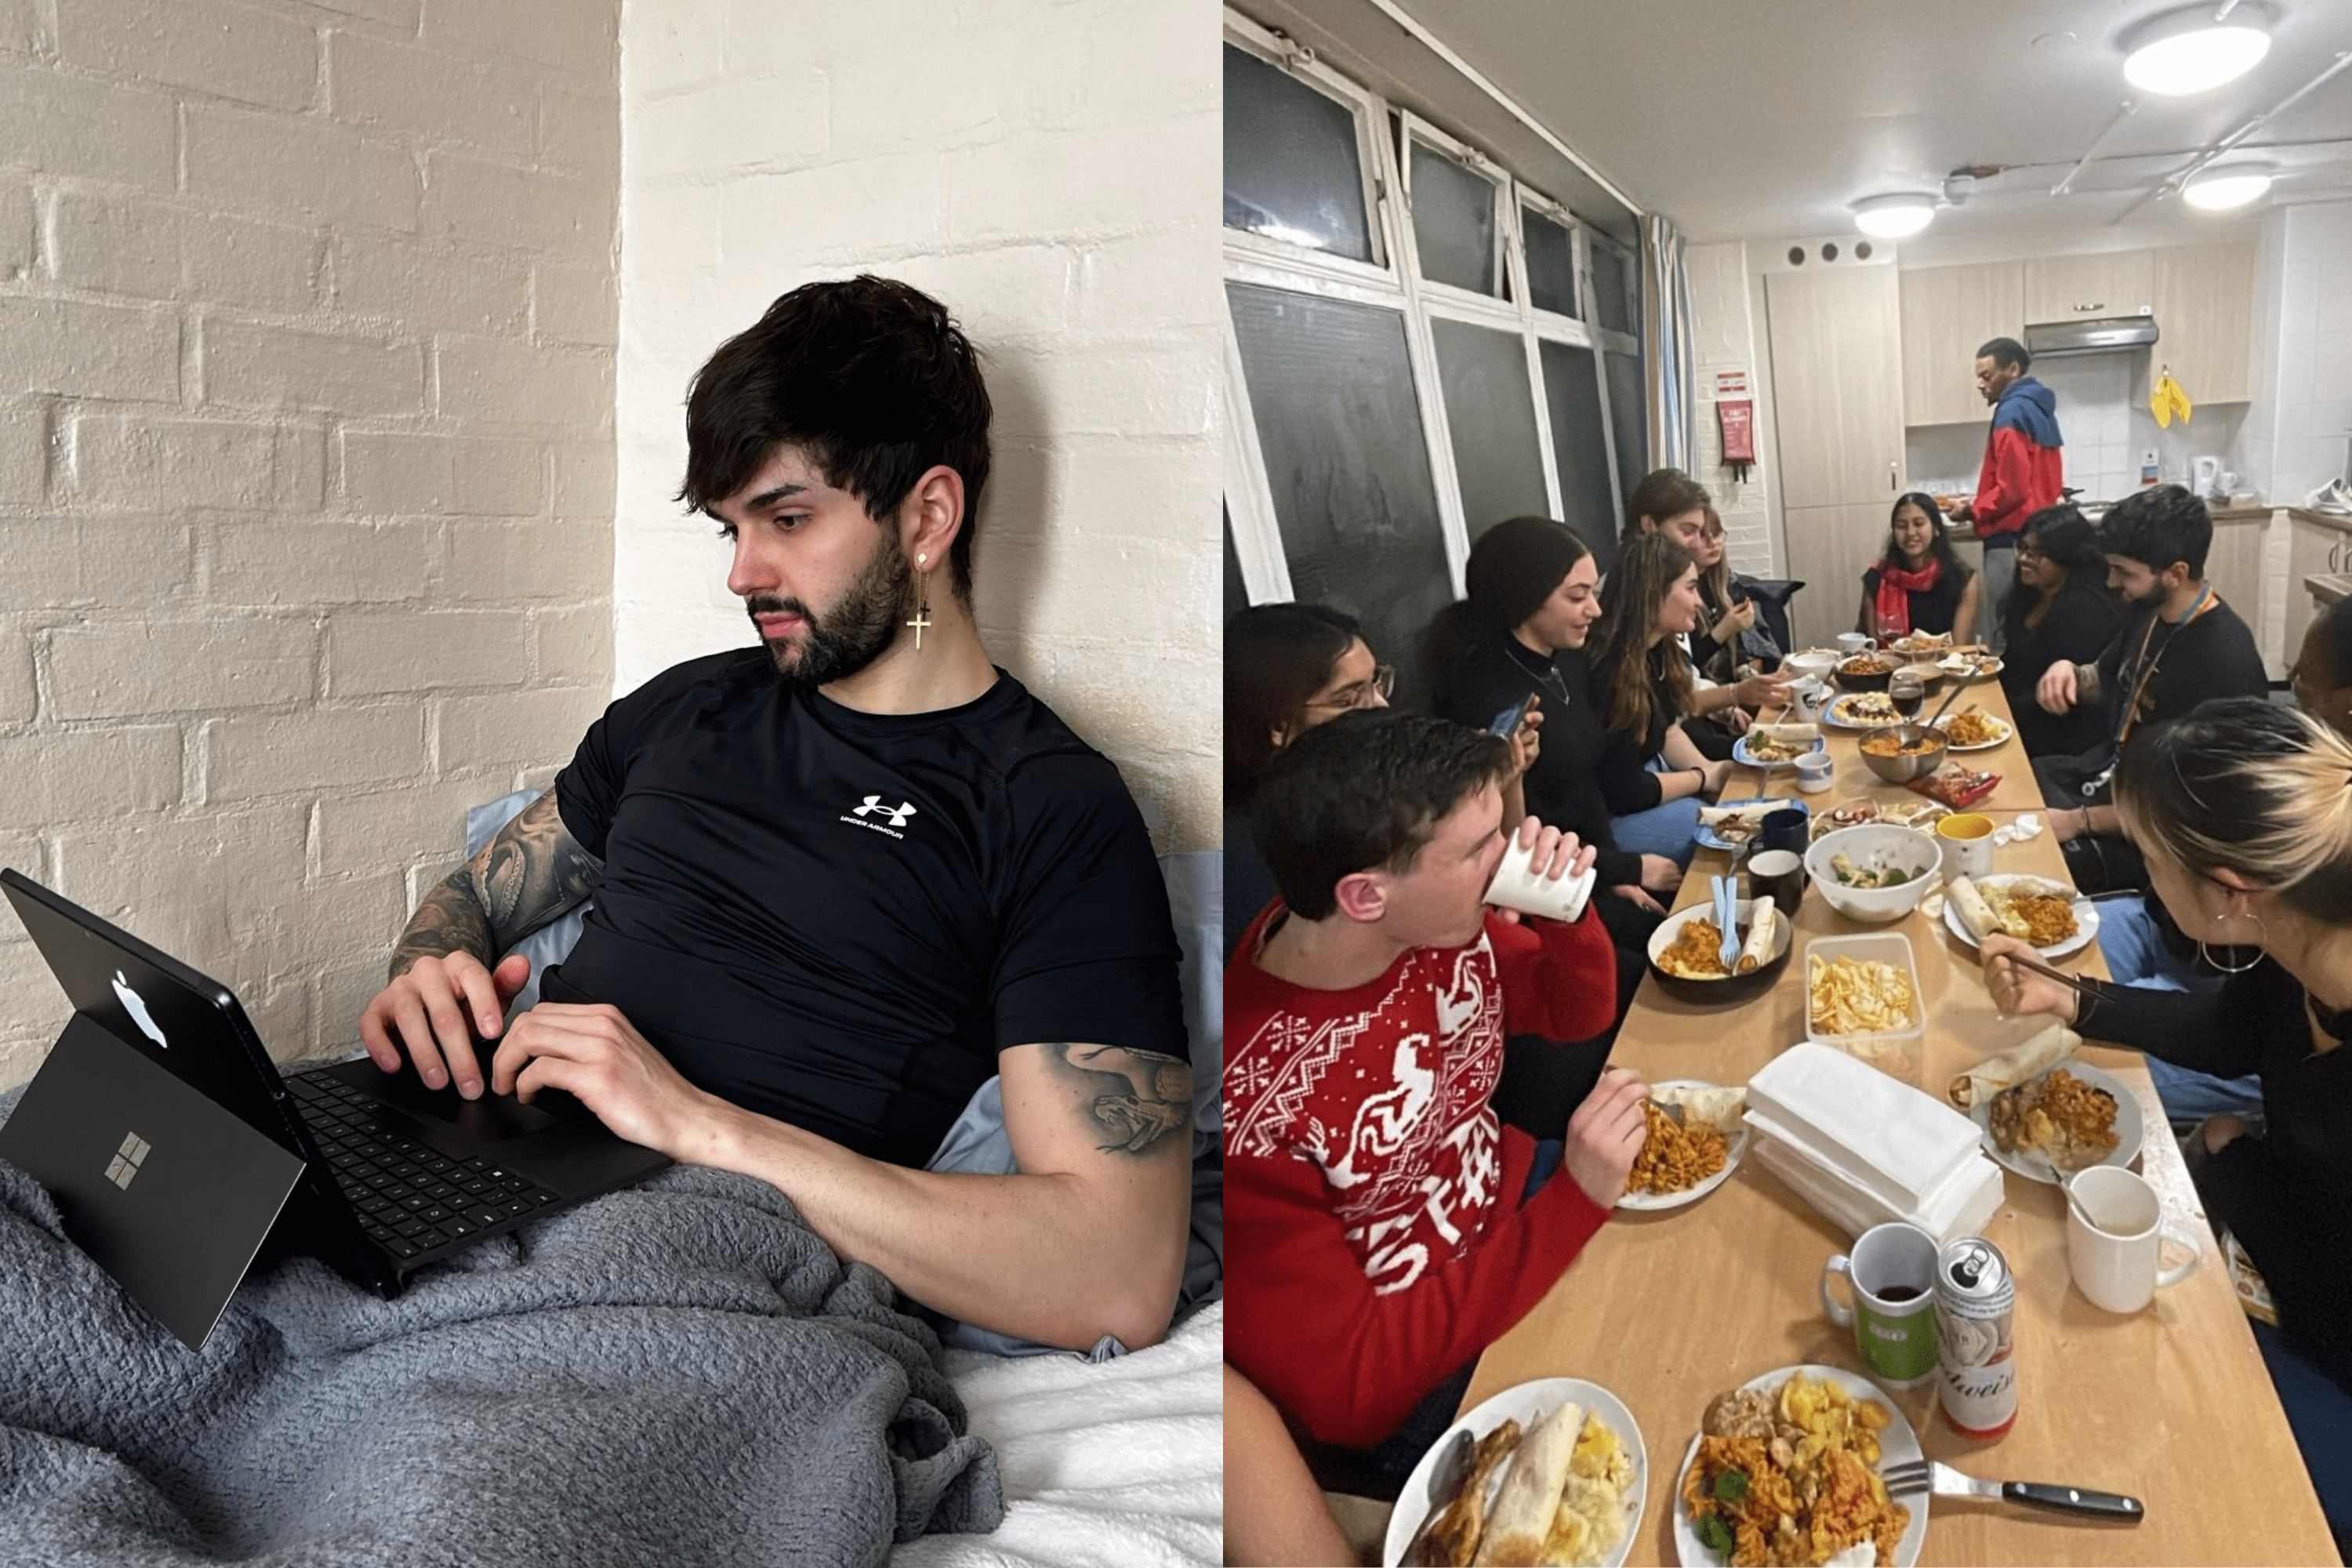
(1907, 692)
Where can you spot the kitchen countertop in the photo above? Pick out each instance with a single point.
(2328, 588)
(2338, 520)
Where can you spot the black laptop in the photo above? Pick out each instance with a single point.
(175, 1151)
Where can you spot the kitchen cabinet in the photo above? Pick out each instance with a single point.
(1829, 547)
(2086, 287)
(2234, 566)
(2314, 550)
(1947, 313)
(1837, 384)
(2204, 298)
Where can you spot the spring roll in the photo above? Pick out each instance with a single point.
(1970, 905)
(2013, 1067)
(1522, 1514)
(1759, 945)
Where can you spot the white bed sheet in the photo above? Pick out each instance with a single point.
(1121, 1462)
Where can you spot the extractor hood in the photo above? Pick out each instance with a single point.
(2102, 335)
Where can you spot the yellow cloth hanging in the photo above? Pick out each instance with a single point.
(2168, 400)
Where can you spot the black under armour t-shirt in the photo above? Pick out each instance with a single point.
(838, 918)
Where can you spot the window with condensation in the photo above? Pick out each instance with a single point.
(1294, 161)
(1490, 413)
(1418, 346)
(1334, 401)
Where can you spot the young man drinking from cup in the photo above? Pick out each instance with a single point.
(1383, 1224)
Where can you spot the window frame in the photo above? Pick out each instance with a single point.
(1364, 109)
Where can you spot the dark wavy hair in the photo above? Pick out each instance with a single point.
(1514, 567)
(1277, 656)
(1362, 792)
(2158, 527)
(2067, 537)
(1624, 665)
(1661, 494)
(870, 378)
(1939, 544)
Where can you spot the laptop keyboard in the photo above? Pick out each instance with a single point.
(412, 1198)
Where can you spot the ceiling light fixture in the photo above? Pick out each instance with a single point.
(1894, 216)
(2196, 49)
(2227, 186)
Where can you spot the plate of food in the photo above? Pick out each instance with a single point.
(1733, 824)
(2060, 1122)
(1922, 642)
(1791, 1456)
(1559, 1475)
(1970, 731)
(1681, 1163)
(1775, 745)
(1970, 667)
(1861, 711)
(2051, 916)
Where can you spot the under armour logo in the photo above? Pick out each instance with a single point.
(126, 1161)
(898, 813)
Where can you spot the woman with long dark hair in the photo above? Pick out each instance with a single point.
(1920, 583)
(2060, 609)
(1643, 682)
(1533, 595)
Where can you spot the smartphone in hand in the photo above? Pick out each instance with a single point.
(1507, 723)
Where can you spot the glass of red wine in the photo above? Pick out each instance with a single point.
(1907, 692)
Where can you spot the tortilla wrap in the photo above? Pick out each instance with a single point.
(1521, 1517)
(2013, 1067)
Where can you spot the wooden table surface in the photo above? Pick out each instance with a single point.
(2171, 1405)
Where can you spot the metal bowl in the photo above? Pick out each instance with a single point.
(1909, 765)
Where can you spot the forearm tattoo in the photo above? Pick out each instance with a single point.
(1137, 1098)
(526, 875)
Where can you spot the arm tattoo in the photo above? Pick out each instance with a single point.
(1135, 1097)
(527, 874)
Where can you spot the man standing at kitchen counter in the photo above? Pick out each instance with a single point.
(2023, 472)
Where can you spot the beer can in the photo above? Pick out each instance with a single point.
(1976, 1359)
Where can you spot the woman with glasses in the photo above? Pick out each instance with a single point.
(2060, 609)
(1289, 667)
(2242, 809)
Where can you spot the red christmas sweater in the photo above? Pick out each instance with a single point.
(1375, 1243)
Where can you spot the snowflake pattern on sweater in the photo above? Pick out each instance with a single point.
(1391, 1104)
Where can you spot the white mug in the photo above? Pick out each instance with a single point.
(1518, 886)
(1855, 642)
(2112, 1253)
(1816, 771)
(1965, 839)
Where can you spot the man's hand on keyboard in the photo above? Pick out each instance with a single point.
(591, 1051)
(435, 1009)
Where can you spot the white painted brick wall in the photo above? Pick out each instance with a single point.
(306, 464)
(1048, 172)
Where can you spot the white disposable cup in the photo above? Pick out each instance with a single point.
(2114, 1254)
(1518, 885)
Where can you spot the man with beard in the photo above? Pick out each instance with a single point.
(843, 878)
(2179, 646)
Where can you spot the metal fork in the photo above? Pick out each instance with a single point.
(1929, 1475)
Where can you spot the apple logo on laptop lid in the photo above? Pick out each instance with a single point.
(137, 1008)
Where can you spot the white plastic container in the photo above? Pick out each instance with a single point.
(1900, 1053)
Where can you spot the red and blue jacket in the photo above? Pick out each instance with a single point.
(2023, 472)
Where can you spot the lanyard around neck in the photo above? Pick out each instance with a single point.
(2146, 662)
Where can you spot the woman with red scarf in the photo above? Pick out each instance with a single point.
(1919, 585)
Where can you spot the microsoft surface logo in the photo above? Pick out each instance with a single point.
(125, 1163)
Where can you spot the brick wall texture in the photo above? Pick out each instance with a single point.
(307, 327)
(1049, 171)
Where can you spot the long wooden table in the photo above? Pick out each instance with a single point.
(2171, 1405)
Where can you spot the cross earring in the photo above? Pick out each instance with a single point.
(923, 603)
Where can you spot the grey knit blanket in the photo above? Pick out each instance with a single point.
(678, 1374)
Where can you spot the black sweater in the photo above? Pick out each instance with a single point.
(2286, 1196)
(2082, 622)
(2212, 656)
(1565, 787)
